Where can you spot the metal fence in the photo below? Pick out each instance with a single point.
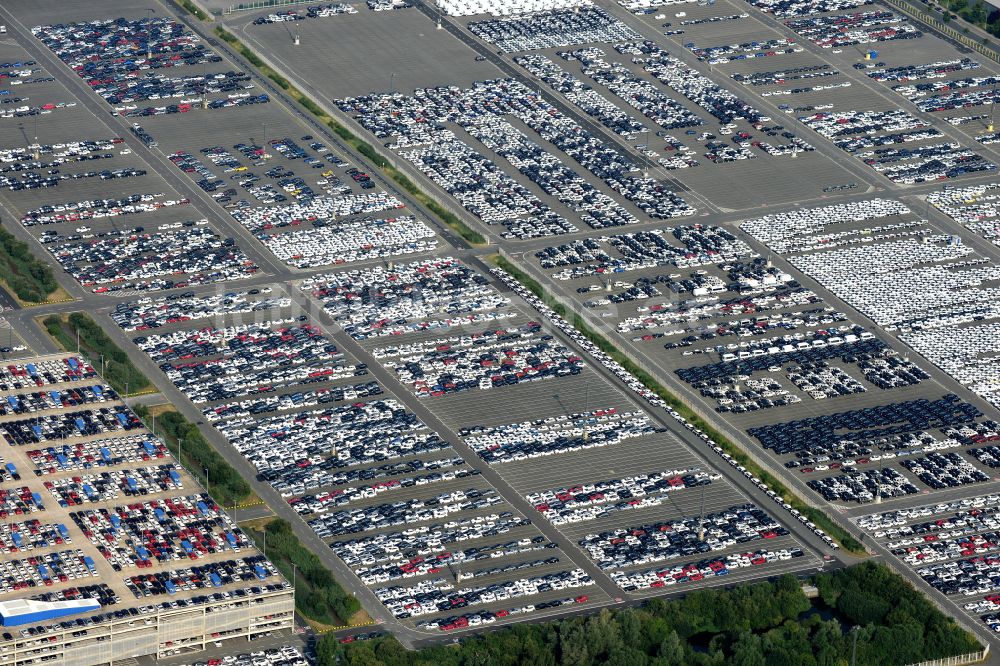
(962, 39)
(960, 660)
(263, 4)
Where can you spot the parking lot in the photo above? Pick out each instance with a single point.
(96, 508)
(394, 497)
(367, 394)
(104, 214)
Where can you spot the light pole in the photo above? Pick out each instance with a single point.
(392, 85)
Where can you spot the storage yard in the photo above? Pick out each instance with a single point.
(784, 213)
(96, 510)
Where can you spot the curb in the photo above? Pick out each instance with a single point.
(346, 626)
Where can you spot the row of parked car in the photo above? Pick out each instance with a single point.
(581, 95)
(25, 536)
(670, 539)
(555, 434)
(693, 246)
(841, 30)
(162, 530)
(863, 486)
(785, 8)
(403, 512)
(95, 487)
(664, 576)
(639, 93)
(437, 595)
(45, 570)
(932, 70)
(555, 28)
(201, 576)
(66, 398)
(324, 501)
(96, 209)
(484, 106)
(104, 452)
(422, 295)
(148, 313)
(644, 491)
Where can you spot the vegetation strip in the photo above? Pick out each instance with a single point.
(866, 612)
(450, 219)
(30, 279)
(117, 369)
(318, 596)
(190, 447)
(814, 514)
(194, 10)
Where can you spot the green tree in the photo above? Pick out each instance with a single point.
(748, 650)
(671, 650)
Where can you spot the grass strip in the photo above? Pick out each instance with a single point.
(222, 481)
(29, 278)
(823, 521)
(318, 596)
(451, 220)
(117, 369)
(194, 10)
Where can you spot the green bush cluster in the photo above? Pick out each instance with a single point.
(118, 370)
(196, 454)
(30, 279)
(817, 516)
(317, 595)
(755, 624)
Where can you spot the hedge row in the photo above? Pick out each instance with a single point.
(317, 595)
(196, 454)
(118, 370)
(30, 279)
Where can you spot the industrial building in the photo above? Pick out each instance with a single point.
(110, 549)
